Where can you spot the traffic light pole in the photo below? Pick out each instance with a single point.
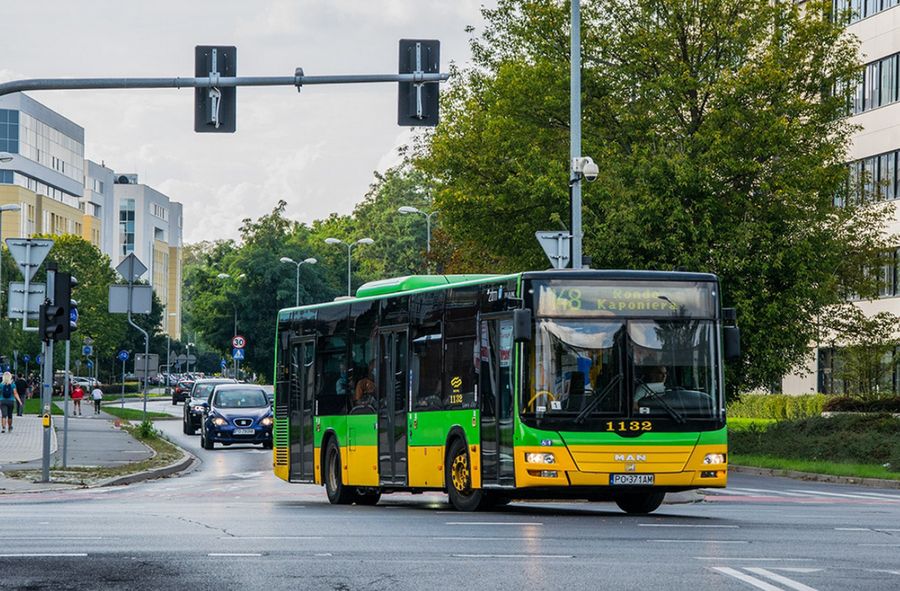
(65, 446)
(47, 384)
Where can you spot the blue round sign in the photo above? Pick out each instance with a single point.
(89, 364)
(39, 359)
(123, 355)
(26, 358)
(223, 363)
(73, 315)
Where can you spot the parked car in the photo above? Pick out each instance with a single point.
(197, 402)
(237, 413)
(181, 391)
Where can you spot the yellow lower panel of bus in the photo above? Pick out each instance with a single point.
(360, 465)
(281, 471)
(624, 460)
(426, 466)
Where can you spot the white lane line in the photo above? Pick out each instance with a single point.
(880, 495)
(271, 538)
(711, 526)
(512, 555)
(771, 492)
(229, 554)
(475, 539)
(46, 555)
(758, 583)
(70, 538)
(852, 529)
(323, 554)
(791, 583)
(519, 523)
(839, 495)
(724, 491)
(745, 559)
(700, 541)
(880, 545)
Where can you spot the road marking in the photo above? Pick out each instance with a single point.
(492, 523)
(271, 538)
(881, 496)
(852, 529)
(324, 554)
(791, 583)
(45, 555)
(512, 555)
(723, 491)
(72, 538)
(758, 583)
(840, 495)
(700, 541)
(491, 539)
(754, 559)
(227, 554)
(688, 525)
(800, 570)
(881, 545)
(770, 491)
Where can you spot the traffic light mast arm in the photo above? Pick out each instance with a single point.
(215, 82)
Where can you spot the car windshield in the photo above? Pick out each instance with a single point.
(202, 391)
(649, 368)
(241, 399)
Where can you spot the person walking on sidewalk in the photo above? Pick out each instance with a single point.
(97, 395)
(8, 397)
(77, 396)
(22, 391)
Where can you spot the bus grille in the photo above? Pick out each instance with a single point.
(658, 459)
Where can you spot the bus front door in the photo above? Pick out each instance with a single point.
(495, 377)
(302, 388)
(392, 394)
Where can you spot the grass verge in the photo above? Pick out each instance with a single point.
(132, 414)
(166, 453)
(33, 407)
(815, 467)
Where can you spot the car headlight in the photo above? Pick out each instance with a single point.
(540, 458)
(266, 421)
(219, 421)
(714, 459)
(197, 408)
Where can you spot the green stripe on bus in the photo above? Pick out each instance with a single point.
(433, 426)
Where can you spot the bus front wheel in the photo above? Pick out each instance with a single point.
(458, 479)
(338, 494)
(640, 503)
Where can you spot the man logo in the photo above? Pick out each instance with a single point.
(630, 457)
(630, 467)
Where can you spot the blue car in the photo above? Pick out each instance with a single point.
(237, 413)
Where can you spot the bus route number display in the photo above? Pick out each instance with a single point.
(566, 299)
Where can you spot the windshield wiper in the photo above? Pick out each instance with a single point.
(665, 405)
(593, 404)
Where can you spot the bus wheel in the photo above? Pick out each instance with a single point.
(367, 496)
(640, 503)
(338, 494)
(458, 479)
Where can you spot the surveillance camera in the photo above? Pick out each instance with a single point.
(586, 167)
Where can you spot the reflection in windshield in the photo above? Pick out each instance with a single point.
(648, 368)
(241, 399)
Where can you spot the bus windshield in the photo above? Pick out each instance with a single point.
(662, 368)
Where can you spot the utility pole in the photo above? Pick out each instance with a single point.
(575, 130)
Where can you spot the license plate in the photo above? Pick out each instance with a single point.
(245, 431)
(631, 479)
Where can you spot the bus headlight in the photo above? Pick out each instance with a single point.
(540, 458)
(714, 459)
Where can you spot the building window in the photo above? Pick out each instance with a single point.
(872, 179)
(126, 226)
(159, 211)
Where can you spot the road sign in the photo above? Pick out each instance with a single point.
(18, 304)
(123, 355)
(146, 364)
(29, 253)
(141, 299)
(88, 341)
(181, 359)
(131, 268)
(238, 342)
(39, 359)
(557, 246)
(26, 358)
(222, 363)
(237, 354)
(417, 103)
(73, 315)
(87, 350)
(191, 358)
(90, 364)
(215, 108)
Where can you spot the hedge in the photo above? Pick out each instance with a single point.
(777, 406)
(130, 388)
(863, 439)
(847, 404)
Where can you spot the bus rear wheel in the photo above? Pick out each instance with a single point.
(458, 479)
(338, 494)
(640, 503)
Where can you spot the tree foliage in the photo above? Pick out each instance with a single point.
(719, 128)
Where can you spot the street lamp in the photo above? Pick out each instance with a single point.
(233, 305)
(6, 157)
(309, 261)
(349, 246)
(9, 207)
(188, 347)
(169, 357)
(408, 209)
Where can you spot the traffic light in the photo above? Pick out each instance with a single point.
(62, 297)
(52, 322)
(215, 109)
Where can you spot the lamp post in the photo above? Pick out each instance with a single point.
(309, 261)
(349, 246)
(169, 357)
(188, 362)
(408, 209)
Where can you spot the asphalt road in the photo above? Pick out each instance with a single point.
(230, 524)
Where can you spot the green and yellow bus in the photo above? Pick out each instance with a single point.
(588, 384)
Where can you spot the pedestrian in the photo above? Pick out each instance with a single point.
(8, 397)
(97, 395)
(22, 389)
(77, 395)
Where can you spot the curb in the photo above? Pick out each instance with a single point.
(812, 476)
(186, 461)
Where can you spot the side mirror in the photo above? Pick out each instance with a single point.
(732, 343)
(522, 325)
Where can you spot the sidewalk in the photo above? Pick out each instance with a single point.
(93, 440)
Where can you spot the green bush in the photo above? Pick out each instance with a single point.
(847, 404)
(863, 439)
(777, 406)
(130, 388)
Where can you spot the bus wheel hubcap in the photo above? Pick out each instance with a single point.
(459, 472)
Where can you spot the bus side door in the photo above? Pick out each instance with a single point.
(496, 387)
(302, 391)
(393, 349)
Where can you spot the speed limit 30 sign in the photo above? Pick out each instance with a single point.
(238, 342)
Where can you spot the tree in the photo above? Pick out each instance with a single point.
(719, 128)
(866, 359)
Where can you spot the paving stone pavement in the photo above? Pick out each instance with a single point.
(25, 442)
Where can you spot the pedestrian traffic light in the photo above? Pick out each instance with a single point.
(215, 108)
(62, 297)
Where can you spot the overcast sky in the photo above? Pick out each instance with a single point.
(316, 150)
